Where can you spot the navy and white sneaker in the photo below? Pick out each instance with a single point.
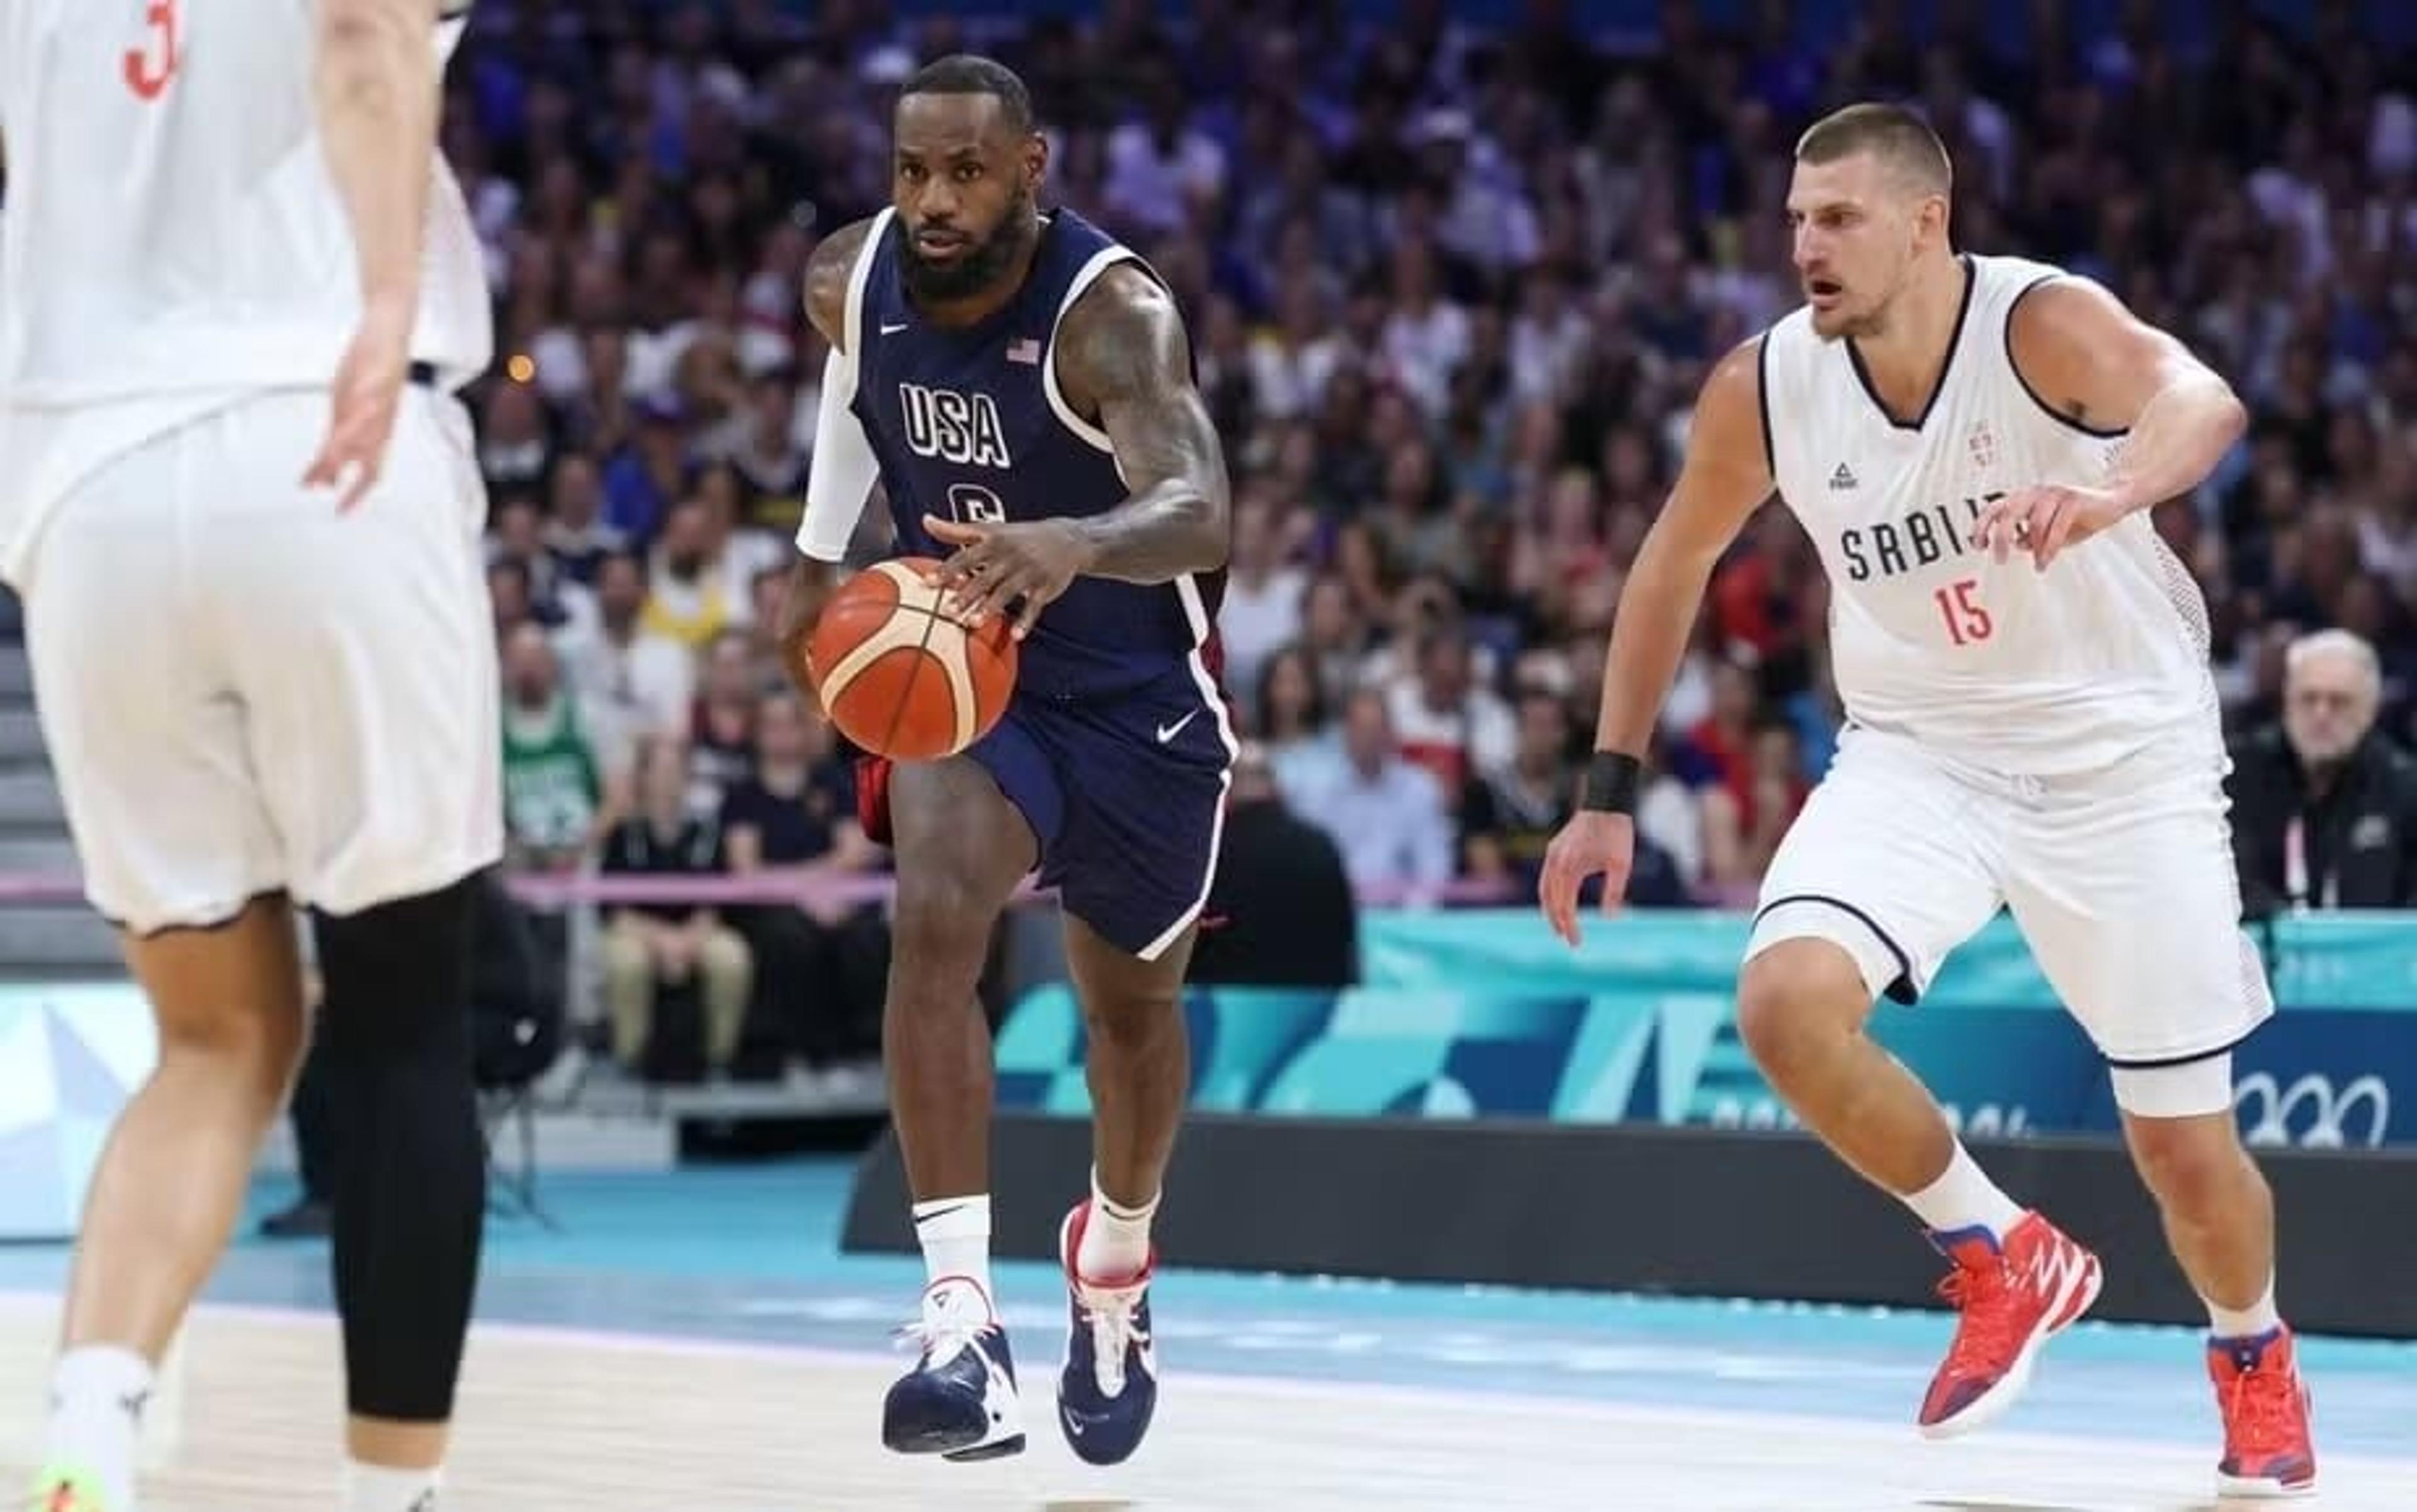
(1110, 1384)
(959, 1402)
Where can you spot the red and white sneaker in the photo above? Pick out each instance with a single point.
(2015, 1295)
(2267, 1451)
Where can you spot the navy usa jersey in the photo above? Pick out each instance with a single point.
(968, 424)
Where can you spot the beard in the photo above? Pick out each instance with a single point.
(975, 270)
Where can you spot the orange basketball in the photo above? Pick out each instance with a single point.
(900, 677)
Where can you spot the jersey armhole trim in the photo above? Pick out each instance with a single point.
(1088, 274)
(852, 318)
(2006, 338)
(1762, 405)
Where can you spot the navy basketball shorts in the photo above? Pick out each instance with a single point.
(1126, 796)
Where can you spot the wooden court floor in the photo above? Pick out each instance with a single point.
(563, 1422)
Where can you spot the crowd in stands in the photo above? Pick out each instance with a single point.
(1451, 293)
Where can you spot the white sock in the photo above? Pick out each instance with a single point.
(954, 1232)
(1965, 1198)
(1116, 1238)
(97, 1392)
(385, 1488)
(2252, 1321)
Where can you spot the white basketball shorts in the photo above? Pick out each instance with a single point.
(244, 692)
(2121, 883)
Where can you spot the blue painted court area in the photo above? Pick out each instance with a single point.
(751, 1254)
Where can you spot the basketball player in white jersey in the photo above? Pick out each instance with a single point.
(235, 290)
(1973, 444)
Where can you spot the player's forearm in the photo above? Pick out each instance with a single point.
(2184, 431)
(376, 89)
(810, 589)
(1657, 613)
(1156, 536)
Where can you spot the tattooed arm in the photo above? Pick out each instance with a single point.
(1124, 362)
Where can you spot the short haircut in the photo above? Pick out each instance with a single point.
(1899, 138)
(968, 73)
(2351, 648)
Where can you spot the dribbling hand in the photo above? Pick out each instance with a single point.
(367, 395)
(1592, 844)
(996, 565)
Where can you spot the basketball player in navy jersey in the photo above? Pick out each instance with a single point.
(1022, 387)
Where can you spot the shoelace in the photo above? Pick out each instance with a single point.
(941, 1342)
(1110, 1317)
(2259, 1404)
(1986, 1338)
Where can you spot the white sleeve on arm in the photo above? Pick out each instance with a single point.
(843, 466)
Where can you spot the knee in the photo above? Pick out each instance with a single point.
(1797, 1001)
(626, 953)
(1134, 1021)
(942, 930)
(727, 956)
(250, 1049)
(2190, 1165)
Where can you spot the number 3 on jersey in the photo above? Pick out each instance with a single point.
(1966, 621)
(151, 67)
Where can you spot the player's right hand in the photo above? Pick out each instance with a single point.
(1592, 844)
(368, 394)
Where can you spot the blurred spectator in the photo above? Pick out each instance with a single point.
(1444, 719)
(690, 596)
(821, 964)
(631, 682)
(1510, 814)
(2325, 807)
(576, 536)
(721, 728)
(1745, 819)
(553, 789)
(1264, 590)
(654, 951)
(1385, 814)
(1282, 911)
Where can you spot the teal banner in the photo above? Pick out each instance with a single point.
(1485, 1014)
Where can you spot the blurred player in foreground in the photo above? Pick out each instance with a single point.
(242, 511)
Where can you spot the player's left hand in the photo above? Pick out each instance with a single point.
(1027, 564)
(2046, 520)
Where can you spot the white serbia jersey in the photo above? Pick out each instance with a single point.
(172, 240)
(2003, 668)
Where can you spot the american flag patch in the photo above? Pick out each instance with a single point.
(1027, 351)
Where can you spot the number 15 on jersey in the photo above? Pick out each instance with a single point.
(1959, 604)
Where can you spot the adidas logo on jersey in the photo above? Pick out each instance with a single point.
(1843, 478)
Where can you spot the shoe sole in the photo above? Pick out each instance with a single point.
(1992, 1404)
(952, 1446)
(2242, 1488)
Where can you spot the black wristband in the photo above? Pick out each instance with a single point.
(1611, 782)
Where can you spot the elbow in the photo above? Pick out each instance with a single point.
(2233, 416)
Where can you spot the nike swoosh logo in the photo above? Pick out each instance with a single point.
(888, 329)
(1168, 732)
